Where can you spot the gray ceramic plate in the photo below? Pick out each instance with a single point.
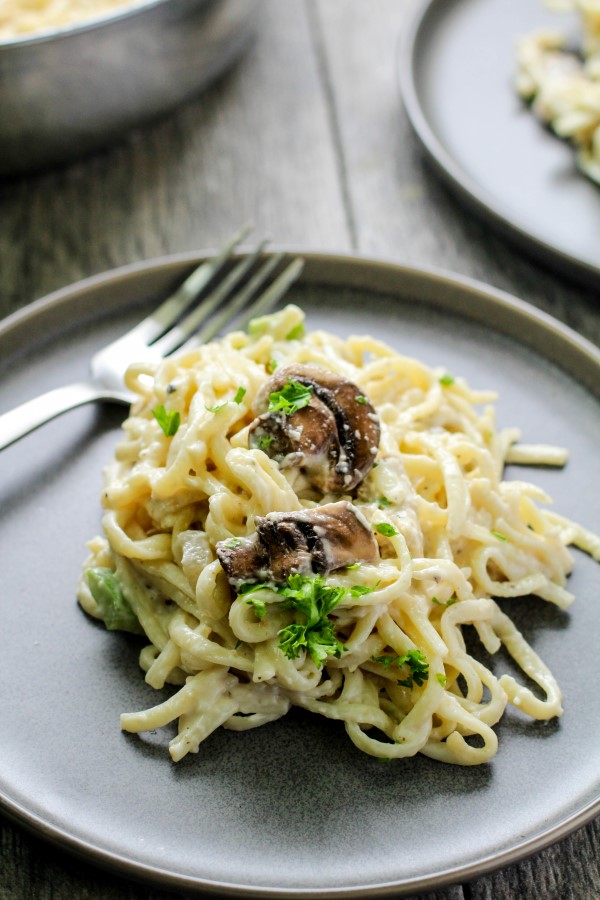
(457, 65)
(292, 809)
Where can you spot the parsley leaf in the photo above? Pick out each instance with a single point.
(239, 396)
(259, 606)
(446, 380)
(361, 399)
(441, 678)
(386, 530)
(449, 602)
(296, 332)
(215, 409)
(168, 421)
(417, 665)
(291, 398)
(264, 441)
(314, 599)
(418, 668)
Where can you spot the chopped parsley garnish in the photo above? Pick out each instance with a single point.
(259, 606)
(362, 400)
(441, 678)
(215, 409)
(352, 566)
(418, 667)
(233, 543)
(291, 398)
(359, 590)
(382, 502)
(386, 530)
(271, 366)
(239, 396)
(264, 441)
(296, 332)
(446, 380)
(499, 535)
(314, 599)
(449, 602)
(168, 421)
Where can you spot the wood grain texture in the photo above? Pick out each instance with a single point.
(307, 138)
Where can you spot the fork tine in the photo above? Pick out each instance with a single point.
(274, 292)
(161, 319)
(189, 325)
(262, 304)
(230, 311)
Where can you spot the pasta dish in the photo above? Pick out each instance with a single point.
(562, 82)
(296, 519)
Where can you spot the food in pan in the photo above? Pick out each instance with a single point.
(26, 18)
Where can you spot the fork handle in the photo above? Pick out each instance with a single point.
(18, 422)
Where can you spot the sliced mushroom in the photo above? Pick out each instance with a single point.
(334, 439)
(308, 542)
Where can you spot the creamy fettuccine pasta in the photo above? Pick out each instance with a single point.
(24, 18)
(562, 81)
(294, 519)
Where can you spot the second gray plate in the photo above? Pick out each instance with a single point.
(292, 809)
(457, 66)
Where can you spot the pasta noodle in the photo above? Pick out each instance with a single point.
(443, 535)
(563, 83)
(23, 18)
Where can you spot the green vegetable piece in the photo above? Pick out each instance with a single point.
(315, 599)
(215, 409)
(441, 678)
(297, 332)
(115, 610)
(259, 606)
(386, 530)
(418, 668)
(362, 399)
(446, 380)
(264, 442)
(416, 662)
(291, 398)
(499, 535)
(240, 393)
(169, 421)
(385, 661)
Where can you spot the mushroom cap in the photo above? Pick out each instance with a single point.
(312, 541)
(334, 439)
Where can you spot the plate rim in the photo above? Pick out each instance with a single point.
(74, 295)
(446, 167)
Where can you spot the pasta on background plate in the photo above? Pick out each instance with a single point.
(295, 519)
(562, 82)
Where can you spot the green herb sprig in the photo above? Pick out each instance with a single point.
(418, 667)
(169, 420)
(292, 397)
(314, 599)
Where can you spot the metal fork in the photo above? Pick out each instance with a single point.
(198, 310)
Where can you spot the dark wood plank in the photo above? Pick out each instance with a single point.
(397, 207)
(256, 147)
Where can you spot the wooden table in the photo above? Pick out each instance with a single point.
(306, 137)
